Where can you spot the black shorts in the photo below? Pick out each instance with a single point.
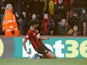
(43, 50)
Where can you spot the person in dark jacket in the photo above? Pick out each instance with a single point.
(62, 27)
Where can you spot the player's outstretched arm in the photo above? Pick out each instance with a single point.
(24, 44)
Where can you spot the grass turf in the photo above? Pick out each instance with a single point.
(26, 61)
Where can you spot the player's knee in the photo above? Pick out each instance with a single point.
(53, 56)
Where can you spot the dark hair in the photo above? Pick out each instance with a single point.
(32, 22)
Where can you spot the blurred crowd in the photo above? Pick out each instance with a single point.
(56, 17)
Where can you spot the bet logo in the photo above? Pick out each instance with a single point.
(1, 48)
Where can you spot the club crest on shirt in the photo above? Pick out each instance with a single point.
(38, 36)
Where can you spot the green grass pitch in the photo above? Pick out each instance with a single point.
(26, 61)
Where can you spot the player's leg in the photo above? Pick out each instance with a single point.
(46, 52)
(50, 55)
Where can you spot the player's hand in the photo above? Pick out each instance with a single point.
(29, 53)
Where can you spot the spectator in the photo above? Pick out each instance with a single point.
(84, 28)
(83, 16)
(9, 24)
(2, 8)
(83, 19)
(60, 11)
(55, 1)
(21, 21)
(62, 27)
(14, 4)
(51, 7)
(75, 21)
(45, 25)
(25, 19)
(75, 31)
(33, 17)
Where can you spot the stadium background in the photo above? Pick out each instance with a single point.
(36, 7)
